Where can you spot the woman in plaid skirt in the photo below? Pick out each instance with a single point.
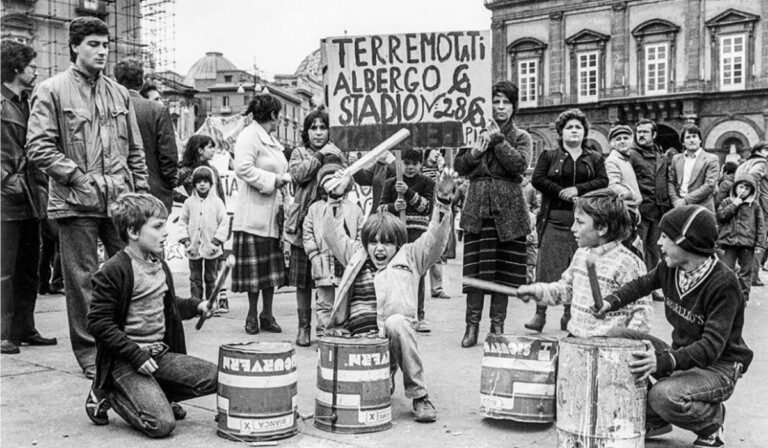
(261, 170)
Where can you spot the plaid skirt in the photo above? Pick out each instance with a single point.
(300, 269)
(259, 263)
(487, 258)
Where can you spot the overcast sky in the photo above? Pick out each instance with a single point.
(278, 34)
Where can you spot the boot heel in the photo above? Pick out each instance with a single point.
(470, 336)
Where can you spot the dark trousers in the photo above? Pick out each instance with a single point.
(744, 256)
(649, 232)
(51, 277)
(144, 400)
(20, 250)
(78, 243)
(202, 270)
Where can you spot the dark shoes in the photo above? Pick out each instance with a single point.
(657, 430)
(564, 321)
(178, 412)
(252, 325)
(537, 323)
(716, 439)
(35, 340)
(423, 410)
(757, 282)
(470, 336)
(269, 324)
(96, 406)
(441, 295)
(9, 348)
(302, 339)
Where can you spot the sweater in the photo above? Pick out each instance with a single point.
(707, 320)
(615, 267)
(419, 197)
(205, 224)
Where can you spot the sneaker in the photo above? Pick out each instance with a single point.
(423, 327)
(658, 430)
(178, 412)
(423, 410)
(96, 406)
(716, 439)
(223, 306)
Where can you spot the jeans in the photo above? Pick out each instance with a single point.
(691, 399)
(20, 242)
(144, 400)
(202, 270)
(649, 233)
(404, 353)
(745, 257)
(79, 261)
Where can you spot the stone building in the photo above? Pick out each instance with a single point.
(673, 61)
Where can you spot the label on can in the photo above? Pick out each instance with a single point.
(375, 416)
(261, 425)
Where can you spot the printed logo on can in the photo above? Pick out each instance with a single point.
(375, 416)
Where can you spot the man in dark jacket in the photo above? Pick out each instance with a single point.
(156, 133)
(23, 204)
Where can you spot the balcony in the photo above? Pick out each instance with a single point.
(96, 8)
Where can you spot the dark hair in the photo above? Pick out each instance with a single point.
(412, 155)
(14, 58)
(730, 167)
(148, 87)
(386, 228)
(263, 106)
(133, 210)
(191, 157)
(760, 146)
(82, 27)
(309, 120)
(509, 90)
(202, 173)
(608, 210)
(565, 117)
(689, 129)
(745, 182)
(129, 73)
(654, 129)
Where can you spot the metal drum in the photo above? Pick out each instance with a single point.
(257, 391)
(353, 385)
(517, 380)
(600, 404)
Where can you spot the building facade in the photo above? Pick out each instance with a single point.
(673, 61)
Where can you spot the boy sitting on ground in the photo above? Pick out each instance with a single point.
(601, 223)
(142, 369)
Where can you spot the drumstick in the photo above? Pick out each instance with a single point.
(220, 280)
(489, 286)
(399, 178)
(373, 154)
(594, 285)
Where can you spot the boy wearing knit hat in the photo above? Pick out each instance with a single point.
(705, 306)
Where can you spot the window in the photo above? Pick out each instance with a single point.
(225, 101)
(227, 78)
(732, 55)
(527, 74)
(656, 63)
(587, 71)
(246, 100)
(208, 105)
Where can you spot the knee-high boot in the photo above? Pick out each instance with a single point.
(304, 311)
(498, 312)
(474, 313)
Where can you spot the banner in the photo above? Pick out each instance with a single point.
(438, 85)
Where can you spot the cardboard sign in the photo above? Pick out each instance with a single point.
(437, 85)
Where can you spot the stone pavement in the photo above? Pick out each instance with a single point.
(42, 391)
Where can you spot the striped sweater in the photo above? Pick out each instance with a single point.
(616, 266)
(419, 198)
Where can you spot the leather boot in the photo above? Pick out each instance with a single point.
(539, 319)
(499, 304)
(566, 317)
(305, 327)
(474, 312)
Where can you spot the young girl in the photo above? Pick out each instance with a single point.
(198, 152)
(204, 228)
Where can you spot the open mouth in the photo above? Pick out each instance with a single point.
(380, 258)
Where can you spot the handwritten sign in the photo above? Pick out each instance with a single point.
(435, 84)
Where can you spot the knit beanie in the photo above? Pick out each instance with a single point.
(692, 227)
(328, 169)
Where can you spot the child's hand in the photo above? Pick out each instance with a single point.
(331, 150)
(149, 367)
(737, 201)
(401, 187)
(205, 309)
(645, 362)
(400, 205)
(446, 184)
(526, 293)
(600, 314)
(568, 194)
(352, 157)
(338, 185)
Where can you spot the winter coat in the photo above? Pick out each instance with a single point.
(757, 166)
(495, 189)
(622, 178)
(741, 225)
(259, 159)
(723, 189)
(204, 223)
(24, 189)
(318, 252)
(701, 186)
(83, 134)
(651, 169)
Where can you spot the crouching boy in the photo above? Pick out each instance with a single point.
(142, 369)
(704, 305)
(380, 285)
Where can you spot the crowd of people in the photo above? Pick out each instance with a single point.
(90, 159)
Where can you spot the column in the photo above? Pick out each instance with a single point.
(557, 58)
(619, 50)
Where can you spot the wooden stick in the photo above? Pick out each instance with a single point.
(594, 285)
(217, 287)
(489, 286)
(399, 178)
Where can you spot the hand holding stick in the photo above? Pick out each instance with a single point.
(222, 278)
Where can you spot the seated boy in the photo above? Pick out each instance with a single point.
(142, 369)
(601, 223)
(705, 307)
(379, 287)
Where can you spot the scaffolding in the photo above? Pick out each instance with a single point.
(158, 31)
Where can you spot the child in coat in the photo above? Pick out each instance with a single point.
(601, 223)
(204, 228)
(742, 229)
(379, 288)
(326, 270)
